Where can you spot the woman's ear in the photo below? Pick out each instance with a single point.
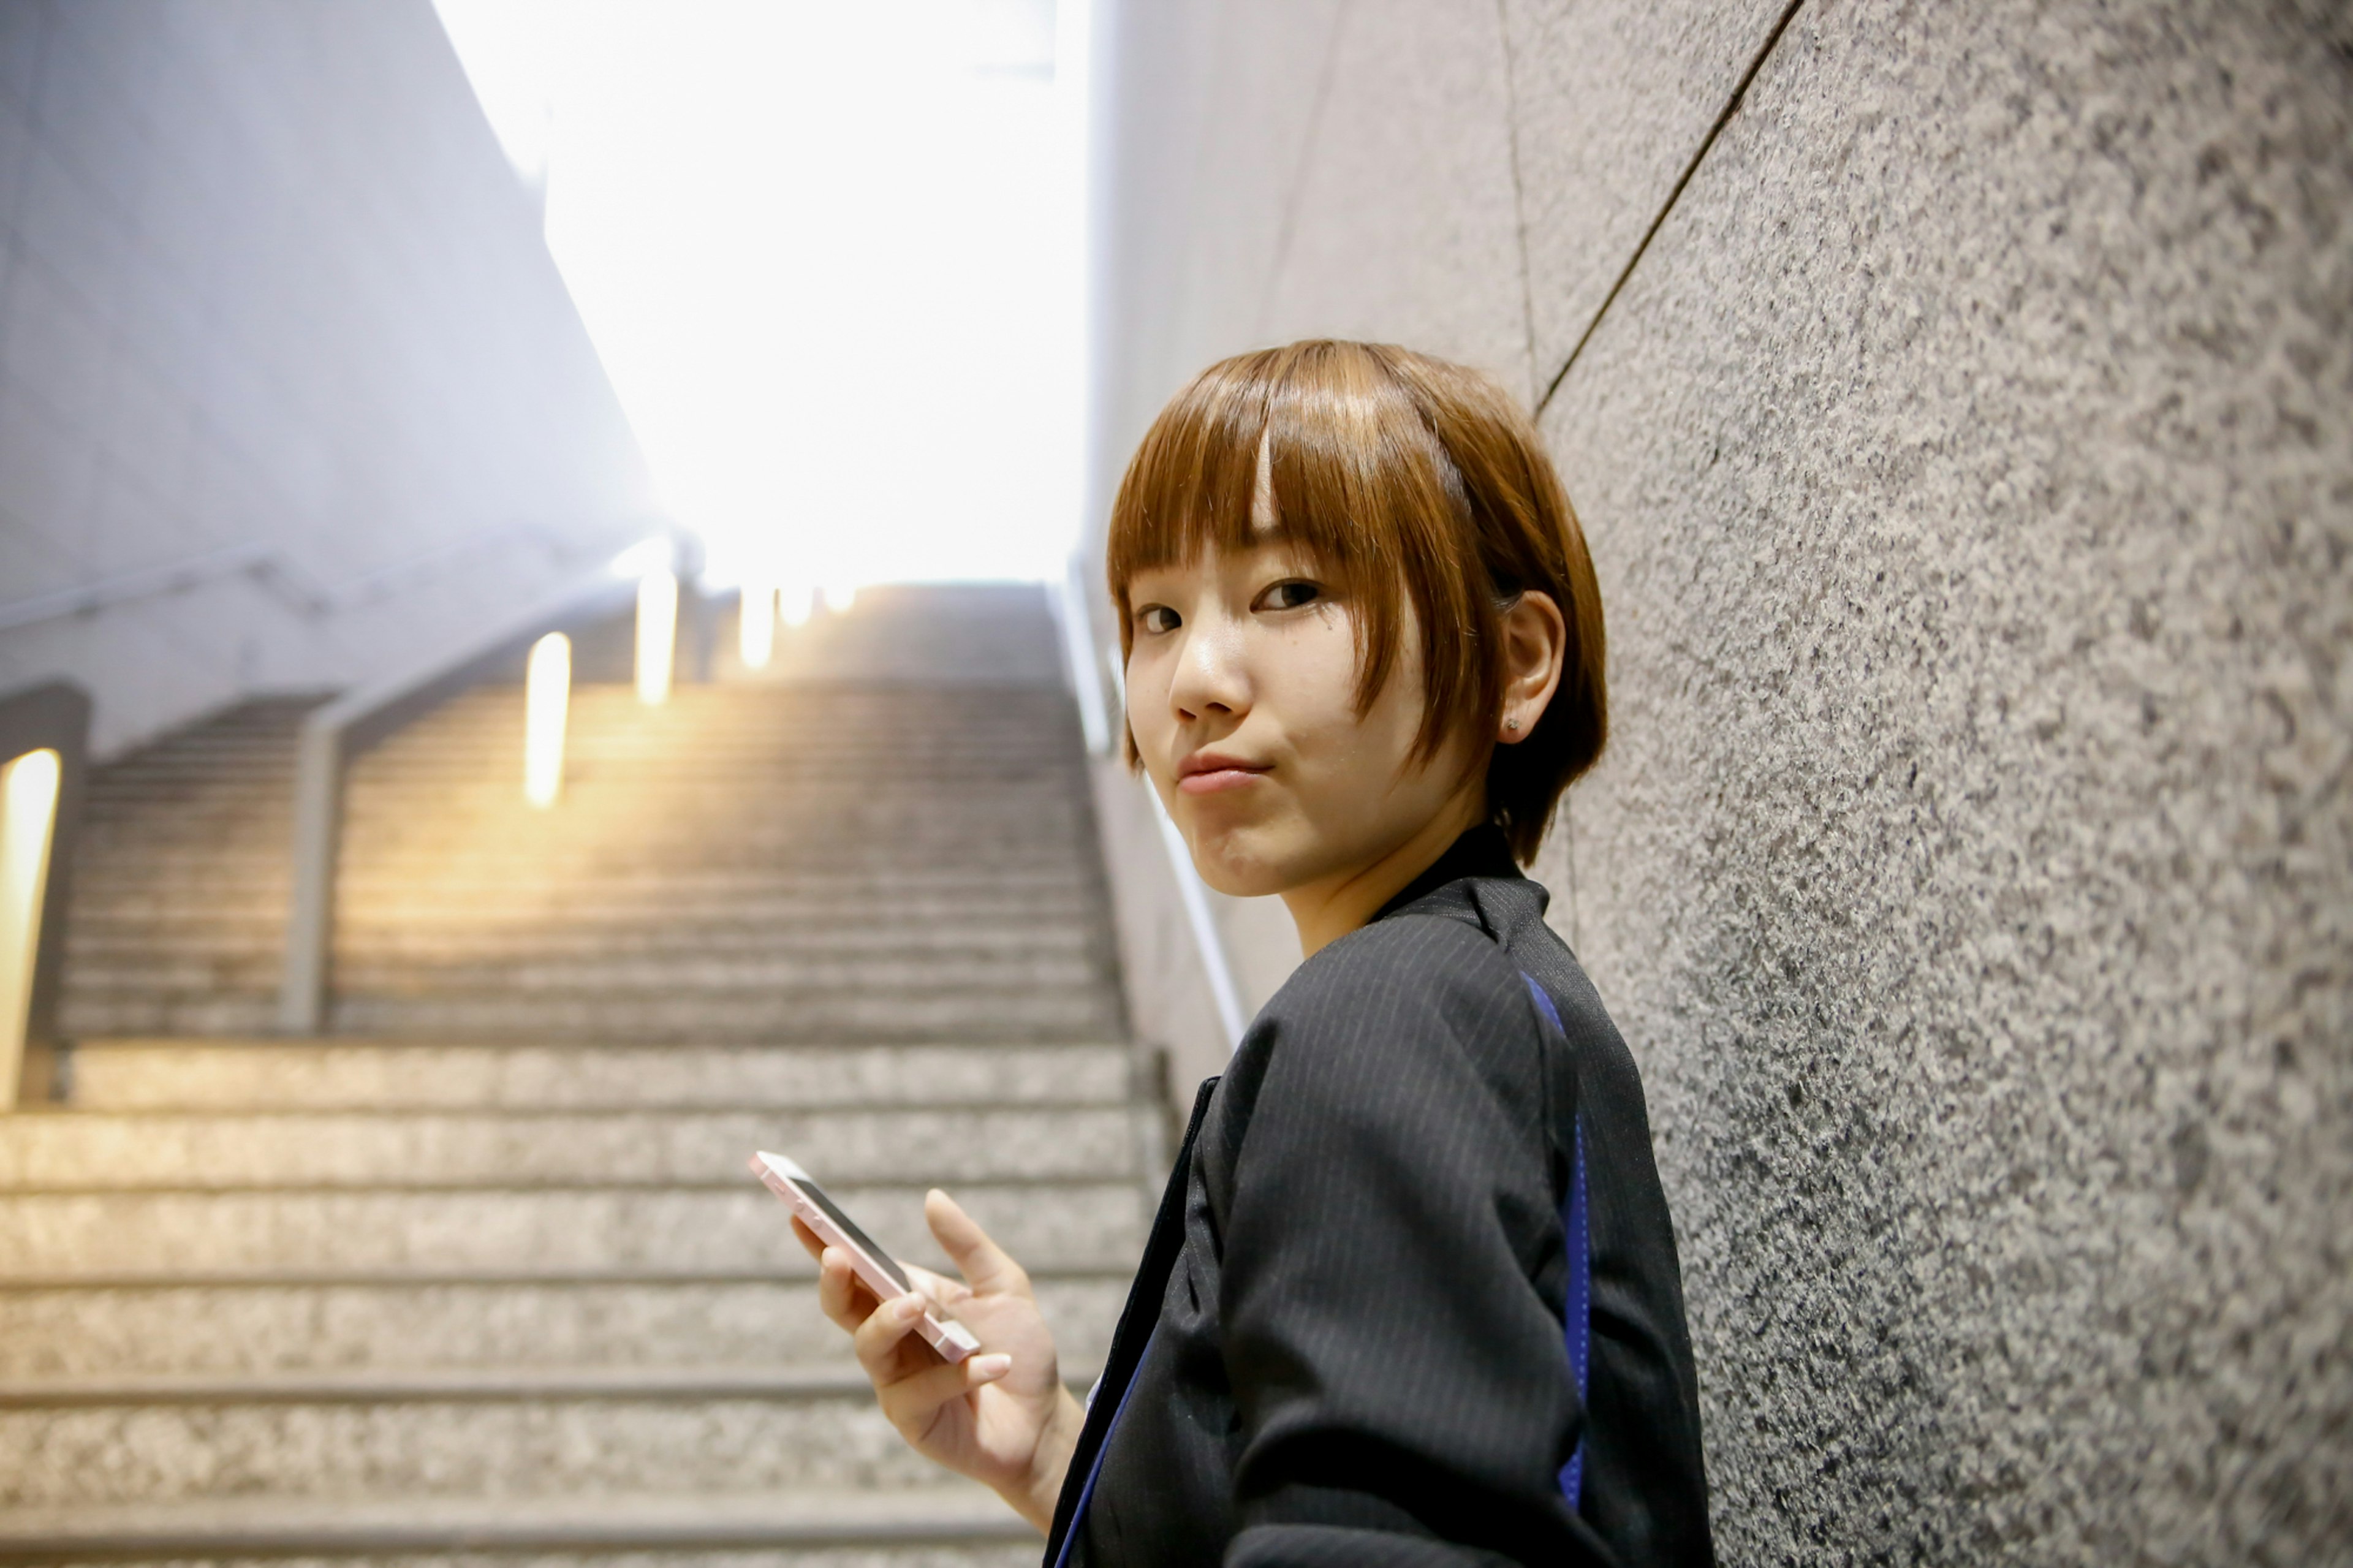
(1535, 640)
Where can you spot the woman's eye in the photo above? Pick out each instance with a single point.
(1291, 594)
(1158, 618)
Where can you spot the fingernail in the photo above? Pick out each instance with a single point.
(910, 1307)
(988, 1368)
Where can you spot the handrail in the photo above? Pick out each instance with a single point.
(1208, 941)
(250, 560)
(340, 730)
(1195, 895)
(1068, 600)
(271, 569)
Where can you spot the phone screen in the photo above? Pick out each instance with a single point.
(873, 1249)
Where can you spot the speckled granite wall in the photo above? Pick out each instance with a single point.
(1968, 462)
(1970, 466)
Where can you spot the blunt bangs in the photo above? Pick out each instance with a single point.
(1401, 476)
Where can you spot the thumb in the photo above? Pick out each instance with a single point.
(983, 1263)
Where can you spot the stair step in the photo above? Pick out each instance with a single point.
(514, 1448)
(783, 974)
(780, 971)
(82, 1013)
(733, 940)
(367, 913)
(760, 1014)
(255, 1075)
(218, 1329)
(458, 1385)
(154, 1236)
(751, 1015)
(926, 1524)
(215, 1151)
(621, 888)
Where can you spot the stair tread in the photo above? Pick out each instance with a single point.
(278, 1526)
(449, 1384)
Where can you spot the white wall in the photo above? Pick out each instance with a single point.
(266, 278)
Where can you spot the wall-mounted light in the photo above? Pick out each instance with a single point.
(657, 634)
(840, 596)
(797, 603)
(757, 620)
(546, 707)
(28, 813)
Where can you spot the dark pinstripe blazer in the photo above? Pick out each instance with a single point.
(1344, 1343)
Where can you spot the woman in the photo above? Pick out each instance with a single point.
(1413, 1294)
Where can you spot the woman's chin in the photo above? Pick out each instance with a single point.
(1231, 865)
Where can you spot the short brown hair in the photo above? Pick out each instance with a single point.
(1392, 469)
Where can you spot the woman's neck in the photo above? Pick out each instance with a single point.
(1329, 909)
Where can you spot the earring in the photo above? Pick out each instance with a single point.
(1510, 723)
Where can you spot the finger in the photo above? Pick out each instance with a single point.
(809, 1238)
(943, 1290)
(911, 1402)
(840, 1294)
(881, 1336)
(984, 1264)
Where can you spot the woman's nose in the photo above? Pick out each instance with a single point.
(1208, 675)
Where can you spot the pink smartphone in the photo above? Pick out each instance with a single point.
(877, 1268)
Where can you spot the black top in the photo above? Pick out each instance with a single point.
(1344, 1343)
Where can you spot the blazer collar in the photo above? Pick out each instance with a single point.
(1481, 852)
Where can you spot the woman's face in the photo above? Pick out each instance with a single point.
(1241, 690)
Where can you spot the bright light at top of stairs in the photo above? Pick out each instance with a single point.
(546, 703)
(650, 554)
(657, 634)
(29, 810)
(757, 620)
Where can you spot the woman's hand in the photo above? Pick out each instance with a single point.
(1001, 1415)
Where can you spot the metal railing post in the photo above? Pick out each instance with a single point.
(54, 716)
(310, 913)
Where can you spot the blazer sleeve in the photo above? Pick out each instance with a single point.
(1392, 1266)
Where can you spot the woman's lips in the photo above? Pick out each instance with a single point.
(1207, 772)
(1210, 781)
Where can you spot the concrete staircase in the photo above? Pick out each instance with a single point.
(748, 861)
(181, 880)
(487, 1275)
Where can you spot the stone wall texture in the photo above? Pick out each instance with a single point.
(267, 280)
(1959, 403)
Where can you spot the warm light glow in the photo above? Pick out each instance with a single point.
(840, 596)
(757, 622)
(656, 635)
(546, 705)
(29, 810)
(798, 601)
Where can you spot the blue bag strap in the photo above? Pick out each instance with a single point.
(1087, 1492)
(1576, 1315)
